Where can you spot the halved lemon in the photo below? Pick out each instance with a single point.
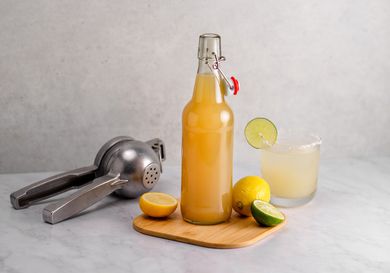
(157, 204)
(261, 133)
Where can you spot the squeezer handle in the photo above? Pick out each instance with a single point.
(51, 186)
(82, 199)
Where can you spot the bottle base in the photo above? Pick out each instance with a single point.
(206, 223)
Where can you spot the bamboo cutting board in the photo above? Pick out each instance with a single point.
(237, 232)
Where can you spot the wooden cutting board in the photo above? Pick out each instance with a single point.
(237, 232)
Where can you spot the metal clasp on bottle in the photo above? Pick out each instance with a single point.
(231, 86)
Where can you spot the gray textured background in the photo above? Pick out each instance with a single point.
(75, 73)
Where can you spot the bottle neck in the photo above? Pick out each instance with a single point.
(207, 85)
(203, 67)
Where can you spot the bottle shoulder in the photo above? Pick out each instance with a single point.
(206, 107)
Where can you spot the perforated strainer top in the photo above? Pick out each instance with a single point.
(151, 175)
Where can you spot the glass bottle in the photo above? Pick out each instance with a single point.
(207, 142)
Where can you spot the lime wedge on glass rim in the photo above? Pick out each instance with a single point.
(266, 214)
(261, 133)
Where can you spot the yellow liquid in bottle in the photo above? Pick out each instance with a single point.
(207, 155)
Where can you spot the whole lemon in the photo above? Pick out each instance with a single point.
(248, 189)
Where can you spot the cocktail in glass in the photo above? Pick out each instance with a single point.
(291, 166)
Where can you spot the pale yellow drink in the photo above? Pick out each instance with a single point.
(291, 171)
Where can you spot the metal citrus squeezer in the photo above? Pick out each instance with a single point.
(123, 165)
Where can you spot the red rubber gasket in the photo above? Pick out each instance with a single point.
(236, 85)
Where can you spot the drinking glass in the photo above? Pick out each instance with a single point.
(290, 166)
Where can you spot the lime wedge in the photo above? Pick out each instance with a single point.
(261, 133)
(266, 214)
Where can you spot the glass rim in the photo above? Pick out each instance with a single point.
(294, 141)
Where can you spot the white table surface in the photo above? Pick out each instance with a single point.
(346, 228)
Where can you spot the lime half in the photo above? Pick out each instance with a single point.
(261, 133)
(266, 214)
